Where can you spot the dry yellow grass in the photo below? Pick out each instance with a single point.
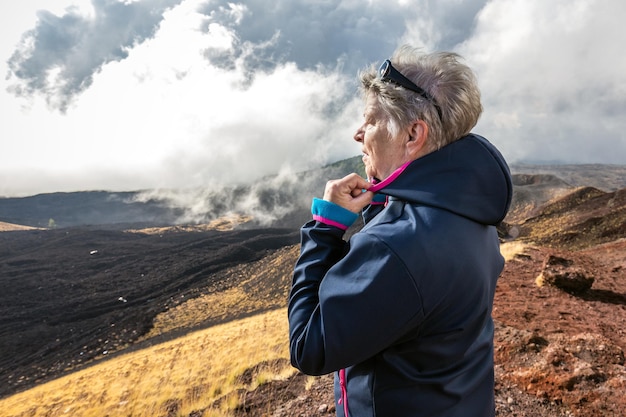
(9, 227)
(195, 311)
(261, 285)
(183, 375)
(228, 222)
(511, 249)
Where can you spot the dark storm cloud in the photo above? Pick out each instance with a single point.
(349, 33)
(307, 34)
(59, 57)
(454, 21)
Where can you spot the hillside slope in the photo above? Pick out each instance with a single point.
(71, 296)
(78, 296)
(580, 219)
(531, 192)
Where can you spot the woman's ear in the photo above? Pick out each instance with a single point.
(418, 139)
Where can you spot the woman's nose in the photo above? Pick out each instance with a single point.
(358, 135)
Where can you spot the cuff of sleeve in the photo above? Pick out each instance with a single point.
(332, 214)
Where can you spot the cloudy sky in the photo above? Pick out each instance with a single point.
(127, 95)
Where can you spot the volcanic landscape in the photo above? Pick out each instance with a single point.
(81, 294)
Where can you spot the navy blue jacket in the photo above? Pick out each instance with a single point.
(403, 309)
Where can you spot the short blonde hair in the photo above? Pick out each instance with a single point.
(450, 82)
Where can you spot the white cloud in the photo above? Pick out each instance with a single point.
(165, 117)
(550, 76)
(198, 92)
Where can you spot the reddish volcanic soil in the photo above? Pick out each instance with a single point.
(562, 348)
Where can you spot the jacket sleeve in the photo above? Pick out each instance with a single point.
(348, 301)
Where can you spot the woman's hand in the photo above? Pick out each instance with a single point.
(349, 192)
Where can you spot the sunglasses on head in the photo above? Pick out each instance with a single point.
(388, 73)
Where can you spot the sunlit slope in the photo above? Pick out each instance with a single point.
(205, 370)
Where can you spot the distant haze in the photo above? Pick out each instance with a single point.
(178, 94)
(277, 201)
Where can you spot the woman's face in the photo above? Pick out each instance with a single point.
(382, 154)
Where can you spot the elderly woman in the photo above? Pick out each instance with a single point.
(402, 311)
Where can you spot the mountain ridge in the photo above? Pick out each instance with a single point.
(271, 201)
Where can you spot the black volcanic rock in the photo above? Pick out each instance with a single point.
(72, 295)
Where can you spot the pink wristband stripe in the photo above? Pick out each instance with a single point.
(329, 222)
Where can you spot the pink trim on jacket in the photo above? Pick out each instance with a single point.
(382, 184)
(329, 222)
(344, 391)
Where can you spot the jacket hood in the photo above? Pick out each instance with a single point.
(468, 177)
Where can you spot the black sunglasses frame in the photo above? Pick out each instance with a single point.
(388, 73)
